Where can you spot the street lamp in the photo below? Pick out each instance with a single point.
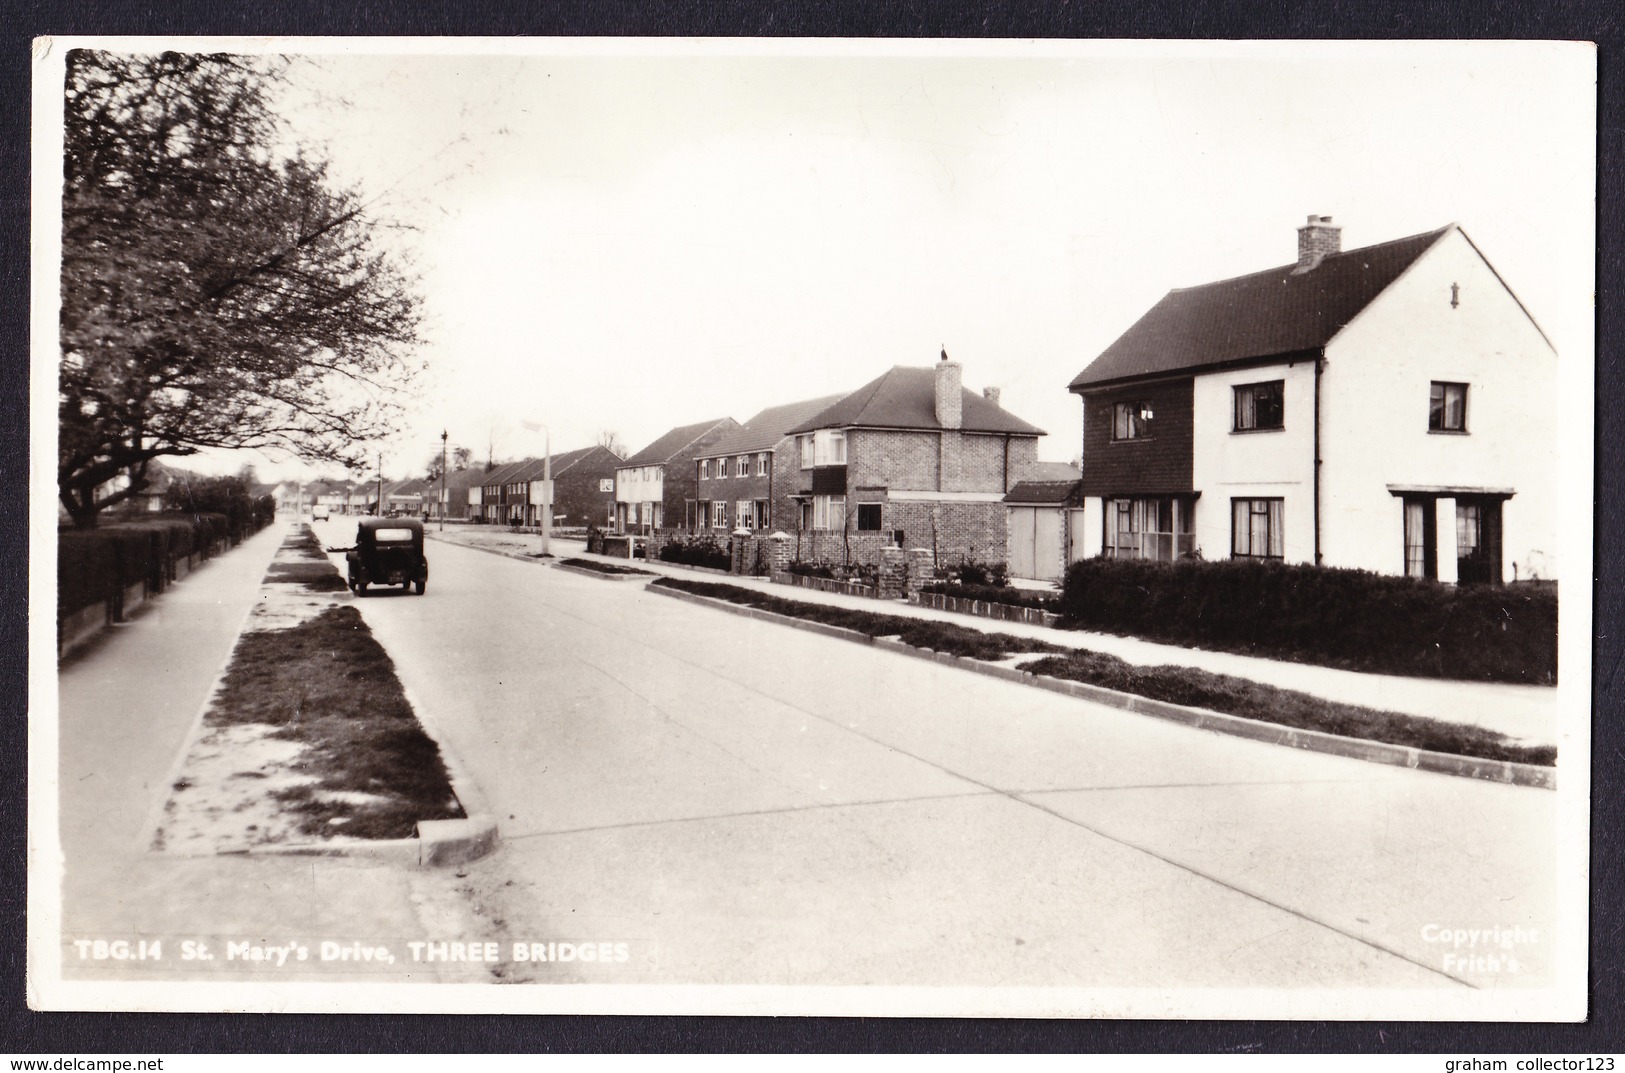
(443, 502)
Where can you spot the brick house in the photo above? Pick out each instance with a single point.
(654, 487)
(748, 477)
(911, 458)
(1382, 408)
(454, 493)
(583, 488)
(504, 491)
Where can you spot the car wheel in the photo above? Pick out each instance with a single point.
(419, 585)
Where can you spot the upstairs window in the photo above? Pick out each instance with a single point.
(1259, 406)
(742, 466)
(805, 445)
(1447, 407)
(1131, 421)
(761, 465)
(830, 448)
(705, 469)
(722, 469)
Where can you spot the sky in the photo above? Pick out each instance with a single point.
(629, 236)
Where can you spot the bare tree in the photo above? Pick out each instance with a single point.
(610, 440)
(218, 289)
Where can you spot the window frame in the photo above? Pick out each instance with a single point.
(719, 514)
(873, 509)
(1132, 420)
(705, 469)
(1251, 393)
(761, 464)
(1274, 527)
(742, 466)
(743, 509)
(808, 451)
(1441, 410)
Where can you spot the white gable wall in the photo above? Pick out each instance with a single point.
(1374, 414)
(1266, 464)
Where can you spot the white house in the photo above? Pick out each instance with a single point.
(1389, 408)
(653, 486)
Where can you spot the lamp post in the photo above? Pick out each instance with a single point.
(443, 503)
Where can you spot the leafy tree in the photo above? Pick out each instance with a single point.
(218, 289)
(461, 458)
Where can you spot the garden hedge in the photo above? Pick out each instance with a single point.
(93, 565)
(1341, 618)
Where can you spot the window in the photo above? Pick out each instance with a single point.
(805, 445)
(759, 511)
(1447, 407)
(705, 469)
(1421, 544)
(722, 469)
(1131, 421)
(761, 464)
(868, 517)
(1255, 529)
(829, 448)
(742, 466)
(719, 514)
(829, 512)
(1258, 406)
(1159, 528)
(745, 511)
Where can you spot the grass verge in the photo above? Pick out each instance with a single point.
(316, 574)
(919, 632)
(604, 568)
(1175, 685)
(329, 686)
(1287, 707)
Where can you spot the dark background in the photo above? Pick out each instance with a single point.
(24, 1031)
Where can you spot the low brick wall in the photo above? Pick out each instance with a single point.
(984, 609)
(825, 584)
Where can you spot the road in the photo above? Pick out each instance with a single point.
(744, 803)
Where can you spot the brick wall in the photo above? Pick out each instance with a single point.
(892, 459)
(1157, 465)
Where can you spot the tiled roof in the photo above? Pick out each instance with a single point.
(672, 443)
(1046, 471)
(1277, 311)
(1039, 493)
(906, 397)
(767, 428)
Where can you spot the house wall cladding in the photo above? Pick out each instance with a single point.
(929, 461)
(1156, 465)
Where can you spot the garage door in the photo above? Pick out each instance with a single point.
(1035, 543)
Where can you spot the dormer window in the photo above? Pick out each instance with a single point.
(1131, 421)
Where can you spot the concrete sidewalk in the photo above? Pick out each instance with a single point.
(127, 706)
(1527, 713)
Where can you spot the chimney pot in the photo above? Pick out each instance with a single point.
(991, 394)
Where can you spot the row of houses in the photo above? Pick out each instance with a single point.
(1384, 408)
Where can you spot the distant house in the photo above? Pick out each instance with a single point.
(1385, 408)
(504, 492)
(452, 494)
(654, 486)
(912, 458)
(583, 489)
(748, 477)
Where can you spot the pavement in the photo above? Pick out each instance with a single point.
(127, 706)
(739, 803)
(1526, 713)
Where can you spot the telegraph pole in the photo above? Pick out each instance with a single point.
(380, 510)
(443, 502)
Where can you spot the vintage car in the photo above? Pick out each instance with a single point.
(388, 551)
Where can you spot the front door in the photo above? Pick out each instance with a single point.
(1478, 541)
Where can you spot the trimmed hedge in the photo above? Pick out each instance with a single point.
(94, 565)
(1350, 619)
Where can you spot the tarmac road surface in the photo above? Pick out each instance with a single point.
(745, 803)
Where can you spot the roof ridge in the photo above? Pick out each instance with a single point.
(1289, 265)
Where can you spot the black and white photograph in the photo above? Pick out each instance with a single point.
(1070, 529)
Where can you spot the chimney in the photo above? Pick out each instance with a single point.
(991, 394)
(1316, 239)
(950, 405)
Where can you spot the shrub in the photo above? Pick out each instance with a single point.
(862, 573)
(995, 594)
(696, 551)
(971, 572)
(1341, 618)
